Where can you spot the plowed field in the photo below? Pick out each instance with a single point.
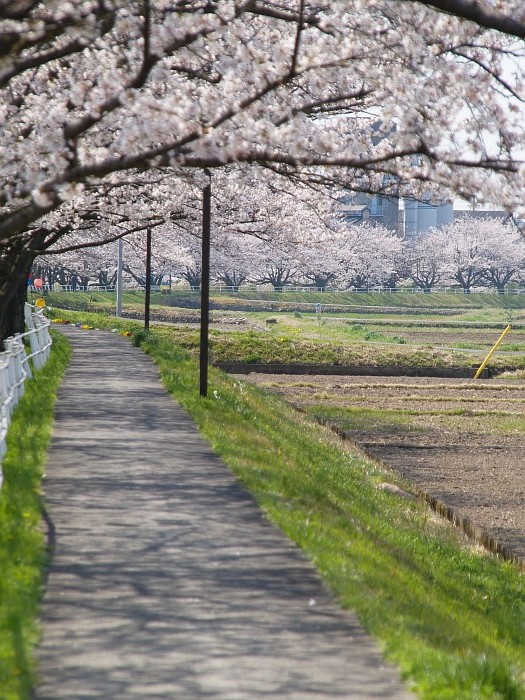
(461, 441)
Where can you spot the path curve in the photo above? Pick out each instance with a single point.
(166, 581)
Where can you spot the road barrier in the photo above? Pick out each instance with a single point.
(215, 287)
(16, 363)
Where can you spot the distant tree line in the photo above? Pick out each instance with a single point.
(468, 253)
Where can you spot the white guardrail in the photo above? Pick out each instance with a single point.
(292, 288)
(15, 366)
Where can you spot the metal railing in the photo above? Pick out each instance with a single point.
(74, 288)
(365, 290)
(16, 363)
(248, 287)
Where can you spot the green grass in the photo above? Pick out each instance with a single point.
(285, 344)
(288, 347)
(401, 299)
(301, 339)
(451, 617)
(22, 550)
(468, 420)
(476, 307)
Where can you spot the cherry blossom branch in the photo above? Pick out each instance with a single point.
(494, 74)
(22, 40)
(297, 43)
(102, 241)
(284, 14)
(21, 65)
(74, 130)
(476, 12)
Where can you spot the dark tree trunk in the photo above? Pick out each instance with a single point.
(278, 277)
(193, 278)
(12, 307)
(232, 280)
(321, 280)
(15, 266)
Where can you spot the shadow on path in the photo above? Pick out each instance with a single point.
(166, 581)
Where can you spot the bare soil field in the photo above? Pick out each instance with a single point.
(441, 337)
(461, 441)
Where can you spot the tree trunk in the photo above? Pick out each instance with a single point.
(193, 278)
(16, 261)
(321, 281)
(15, 265)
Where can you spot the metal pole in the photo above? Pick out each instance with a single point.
(148, 279)
(118, 310)
(205, 286)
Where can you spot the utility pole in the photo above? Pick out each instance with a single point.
(205, 287)
(118, 310)
(148, 279)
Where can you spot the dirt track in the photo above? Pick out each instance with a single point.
(462, 441)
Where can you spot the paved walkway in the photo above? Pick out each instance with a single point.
(166, 580)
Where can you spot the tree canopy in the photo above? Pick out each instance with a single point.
(385, 96)
(507, 17)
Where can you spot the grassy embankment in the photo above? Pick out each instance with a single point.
(450, 616)
(438, 304)
(22, 547)
(345, 337)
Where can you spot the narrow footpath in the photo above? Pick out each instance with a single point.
(166, 581)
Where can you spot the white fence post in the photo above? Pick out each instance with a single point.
(15, 367)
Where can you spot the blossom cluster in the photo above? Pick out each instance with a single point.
(469, 253)
(358, 87)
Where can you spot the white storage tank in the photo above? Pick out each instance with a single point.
(422, 215)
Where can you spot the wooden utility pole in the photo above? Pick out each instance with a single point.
(148, 280)
(205, 287)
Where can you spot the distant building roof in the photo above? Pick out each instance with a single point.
(480, 213)
(354, 208)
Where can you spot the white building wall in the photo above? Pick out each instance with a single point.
(421, 216)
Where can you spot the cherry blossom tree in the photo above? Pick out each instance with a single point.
(319, 260)
(470, 251)
(474, 251)
(504, 253)
(233, 259)
(101, 213)
(369, 254)
(249, 203)
(264, 226)
(468, 245)
(277, 263)
(507, 17)
(426, 259)
(77, 268)
(343, 92)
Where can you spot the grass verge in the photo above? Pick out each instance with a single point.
(257, 300)
(451, 617)
(294, 340)
(22, 550)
